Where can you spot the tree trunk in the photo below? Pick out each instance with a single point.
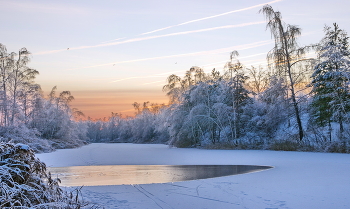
(4, 89)
(341, 128)
(289, 71)
(330, 130)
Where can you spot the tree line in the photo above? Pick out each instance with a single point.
(26, 115)
(296, 103)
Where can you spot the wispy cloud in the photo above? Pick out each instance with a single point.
(307, 56)
(160, 75)
(169, 73)
(117, 39)
(152, 37)
(247, 63)
(135, 77)
(162, 81)
(51, 7)
(113, 42)
(239, 58)
(210, 17)
(215, 51)
(50, 52)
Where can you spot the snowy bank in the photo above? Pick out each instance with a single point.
(299, 179)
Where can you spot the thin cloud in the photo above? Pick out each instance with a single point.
(307, 56)
(153, 37)
(169, 73)
(113, 40)
(239, 58)
(50, 52)
(153, 82)
(34, 7)
(135, 77)
(185, 32)
(216, 51)
(213, 16)
(249, 63)
(209, 29)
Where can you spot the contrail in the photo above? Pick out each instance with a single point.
(184, 23)
(113, 40)
(239, 58)
(169, 73)
(308, 55)
(209, 29)
(153, 37)
(182, 33)
(151, 76)
(215, 51)
(153, 82)
(49, 52)
(210, 17)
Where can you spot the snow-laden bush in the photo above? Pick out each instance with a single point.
(338, 147)
(22, 134)
(24, 182)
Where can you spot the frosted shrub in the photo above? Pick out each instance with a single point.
(24, 182)
(21, 134)
(285, 145)
(338, 147)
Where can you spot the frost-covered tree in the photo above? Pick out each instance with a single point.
(212, 110)
(54, 118)
(176, 86)
(16, 81)
(258, 79)
(285, 55)
(270, 109)
(239, 94)
(331, 79)
(193, 117)
(5, 64)
(147, 126)
(21, 78)
(25, 115)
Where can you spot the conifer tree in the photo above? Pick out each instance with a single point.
(331, 79)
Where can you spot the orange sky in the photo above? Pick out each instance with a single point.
(100, 104)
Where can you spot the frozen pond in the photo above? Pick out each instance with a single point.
(298, 179)
(145, 174)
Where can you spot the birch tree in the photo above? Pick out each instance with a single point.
(16, 79)
(5, 63)
(285, 54)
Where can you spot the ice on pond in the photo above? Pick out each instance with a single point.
(145, 174)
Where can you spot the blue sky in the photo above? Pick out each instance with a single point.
(117, 55)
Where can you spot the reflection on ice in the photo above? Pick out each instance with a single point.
(145, 174)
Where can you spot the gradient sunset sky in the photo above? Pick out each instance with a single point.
(110, 54)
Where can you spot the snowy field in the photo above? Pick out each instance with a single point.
(299, 179)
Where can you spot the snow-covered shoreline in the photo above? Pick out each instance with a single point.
(299, 179)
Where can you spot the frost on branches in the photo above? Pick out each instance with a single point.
(331, 79)
(24, 182)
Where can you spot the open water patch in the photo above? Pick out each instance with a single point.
(145, 174)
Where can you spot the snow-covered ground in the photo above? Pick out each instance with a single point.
(299, 179)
